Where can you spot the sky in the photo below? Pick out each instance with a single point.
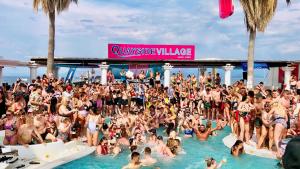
(85, 29)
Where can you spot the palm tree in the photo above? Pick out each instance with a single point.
(51, 7)
(258, 13)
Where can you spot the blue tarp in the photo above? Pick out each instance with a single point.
(256, 66)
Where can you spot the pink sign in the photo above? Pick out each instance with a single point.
(151, 52)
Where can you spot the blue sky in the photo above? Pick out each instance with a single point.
(86, 29)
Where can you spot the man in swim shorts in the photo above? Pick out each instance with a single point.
(207, 102)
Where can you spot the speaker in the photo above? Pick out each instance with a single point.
(244, 75)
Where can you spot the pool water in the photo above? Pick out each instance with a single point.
(194, 157)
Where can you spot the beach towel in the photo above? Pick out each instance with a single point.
(226, 8)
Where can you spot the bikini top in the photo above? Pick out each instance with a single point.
(10, 127)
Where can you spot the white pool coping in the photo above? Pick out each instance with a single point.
(65, 159)
(49, 155)
(249, 149)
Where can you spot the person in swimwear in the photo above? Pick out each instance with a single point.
(221, 122)
(114, 148)
(157, 80)
(211, 163)
(64, 111)
(83, 109)
(267, 127)
(40, 124)
(148, 160)
(237, 149)
(279, 113)
(152, 139)
(27, 133)
(216, 102)
(188, 129)
(207, 97)
(64, 128)
(244, 109)
(92, 124)
(36, 100)
(162, 148)
(202, 133)
(123, 140)
(19, 103)
(10, 127)
(135, 161)
(202, 79)
(102, 148)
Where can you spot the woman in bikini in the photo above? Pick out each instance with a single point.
(83, 106)
(244, 108)
(10, 127)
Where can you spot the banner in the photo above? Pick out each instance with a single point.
(226, 8)
(151, 52)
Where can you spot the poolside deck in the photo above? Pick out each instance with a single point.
(49, 155)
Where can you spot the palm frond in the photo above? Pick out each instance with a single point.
(62, 5)
(52, 5)
(258, 13)
(249, 14)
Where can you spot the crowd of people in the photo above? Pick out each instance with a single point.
(124, 115)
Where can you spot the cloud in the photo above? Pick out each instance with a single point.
(86, 21)
(289, 48)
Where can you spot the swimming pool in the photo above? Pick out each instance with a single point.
(194, 158)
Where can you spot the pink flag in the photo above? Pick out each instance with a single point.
(226, 8)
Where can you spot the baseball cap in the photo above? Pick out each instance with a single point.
(69, 88)
(291, 157)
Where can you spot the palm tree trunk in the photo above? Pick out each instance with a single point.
(51, 43)
(250, 63)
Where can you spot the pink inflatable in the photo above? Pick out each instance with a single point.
(226, 8)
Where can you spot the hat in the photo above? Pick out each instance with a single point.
(69, 88)
(291, 157)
